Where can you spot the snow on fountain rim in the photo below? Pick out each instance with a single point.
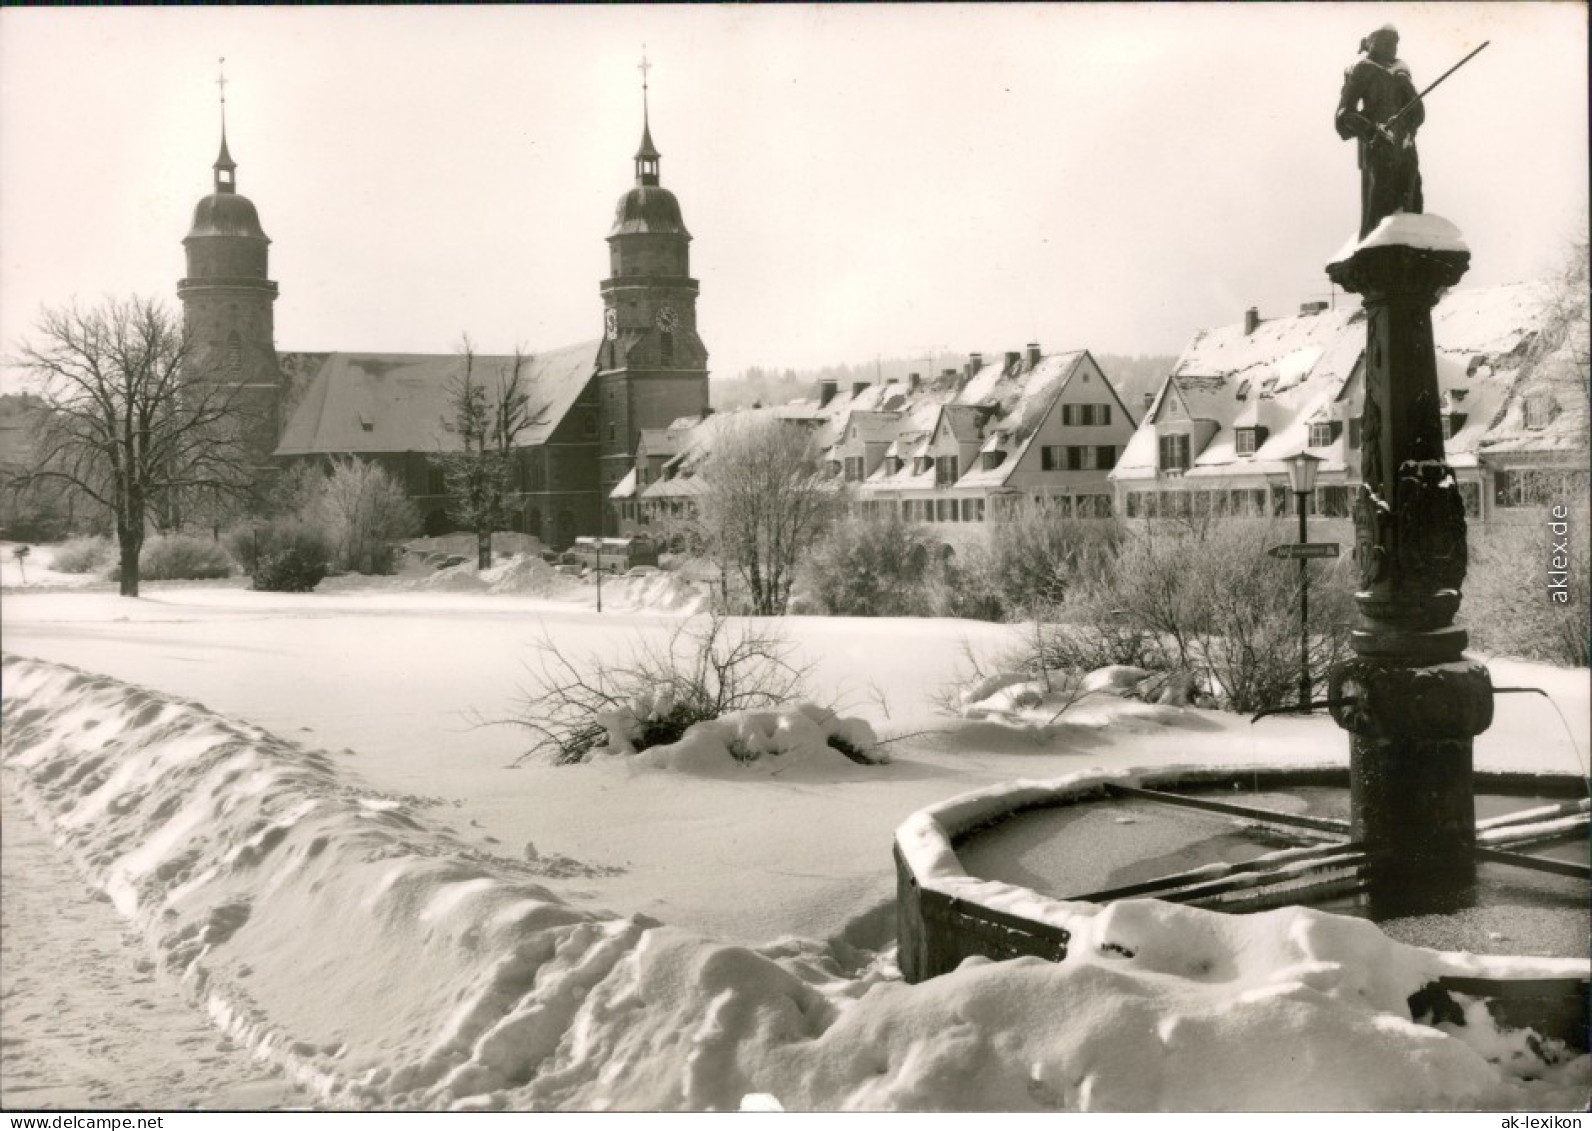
(925, 839)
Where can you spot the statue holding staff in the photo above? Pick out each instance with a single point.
(1380, 108)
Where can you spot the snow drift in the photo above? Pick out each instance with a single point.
(348, 936)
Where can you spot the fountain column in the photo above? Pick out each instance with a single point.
(1418, 701)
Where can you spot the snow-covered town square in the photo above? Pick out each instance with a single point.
(1053, 578)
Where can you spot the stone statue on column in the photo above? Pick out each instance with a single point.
(1379, 107)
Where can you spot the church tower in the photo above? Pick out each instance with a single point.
(652, 367)
(227, 301)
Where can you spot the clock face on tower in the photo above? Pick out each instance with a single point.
(611, 323)
(668, 320)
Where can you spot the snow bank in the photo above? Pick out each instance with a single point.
(1021, 699)
(38, 570)
(527, 575)
(655, 590)
(349, 937)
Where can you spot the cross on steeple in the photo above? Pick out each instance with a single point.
(225, 167)
(647, 155)
(222, 83)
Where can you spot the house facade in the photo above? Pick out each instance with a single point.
(1244, 397)
(969, 445)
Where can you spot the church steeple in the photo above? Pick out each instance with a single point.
(652, 368)
(226, 168)
(227, 299)
(647, 156)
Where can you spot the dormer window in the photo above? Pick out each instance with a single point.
(1322, 434)
(1174, 452)
(1539, 411)
(1452, 423)
(1247, 441)
(993, 459)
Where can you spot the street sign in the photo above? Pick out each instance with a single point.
(1305, 550)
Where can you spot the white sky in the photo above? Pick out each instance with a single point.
(860, 181)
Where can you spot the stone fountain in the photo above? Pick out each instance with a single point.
(1410, 699)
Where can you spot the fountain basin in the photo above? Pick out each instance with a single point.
(1011, 871)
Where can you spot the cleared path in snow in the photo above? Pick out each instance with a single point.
(86, 1020)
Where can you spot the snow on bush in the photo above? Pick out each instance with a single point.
(385, 963)
(802, 736)
(83, 555)
(705, 670)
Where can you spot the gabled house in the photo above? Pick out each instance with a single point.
(1244, 397)
(966, 445)
(1036, 428)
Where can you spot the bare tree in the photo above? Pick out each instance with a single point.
(129, 421)
(488, 421)
(764, 501)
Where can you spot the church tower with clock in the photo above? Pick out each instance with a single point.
(227, 300)
(652, 366)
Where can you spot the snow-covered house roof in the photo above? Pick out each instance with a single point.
(1282, 375)
(626, 487)
(996, 407)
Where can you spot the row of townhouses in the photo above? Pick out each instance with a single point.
(1027, 427)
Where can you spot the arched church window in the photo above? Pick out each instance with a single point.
(666, 347)
(234, 355)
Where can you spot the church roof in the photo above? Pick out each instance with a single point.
(648, 209)
(226, 214)
(395, 402)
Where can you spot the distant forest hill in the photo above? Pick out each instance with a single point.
(1133, 376)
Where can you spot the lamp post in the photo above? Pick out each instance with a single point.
(1302, 480)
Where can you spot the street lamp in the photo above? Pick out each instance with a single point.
(1302, 480)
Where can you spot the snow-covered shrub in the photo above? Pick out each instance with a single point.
(295, 569)
(1507, 615)
(83, 555)
(1036, 556)
(574, 706)
(778, 739)
(871, 568)
(179, 557)
(363, 514)
(283, 556)
(1209, 600)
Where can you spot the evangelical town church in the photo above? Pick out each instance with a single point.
(588, 403)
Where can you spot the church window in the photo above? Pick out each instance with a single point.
(589, 426)
(666, 347)
(234, 355)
